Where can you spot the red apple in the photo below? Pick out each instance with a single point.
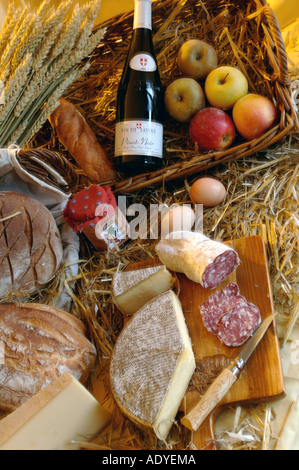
(212, 129)
(253, 115)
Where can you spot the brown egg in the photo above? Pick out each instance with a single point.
(208, 192)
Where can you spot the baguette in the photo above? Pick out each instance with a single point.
(81, 142)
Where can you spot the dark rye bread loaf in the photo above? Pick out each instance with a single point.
(30, 244)
(41, 343)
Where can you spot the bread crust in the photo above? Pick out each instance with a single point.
(81, 142)
(41, 343)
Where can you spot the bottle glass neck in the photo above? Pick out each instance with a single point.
(143, 14)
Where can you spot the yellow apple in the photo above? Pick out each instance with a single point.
(253, 115)
(183, 98)
(224, 86)
(196, 59)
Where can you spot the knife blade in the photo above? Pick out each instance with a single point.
(222, 384)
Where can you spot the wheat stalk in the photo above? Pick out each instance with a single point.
(88, 23)
(67, 39)
(21, 137)
(8, 26)
(34, 31)
(14, 39)
(41, 59)
(14, 87)
(54, 26)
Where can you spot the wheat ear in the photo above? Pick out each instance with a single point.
(15, 38)
(49, 107)
(15, 87)
(8, 26)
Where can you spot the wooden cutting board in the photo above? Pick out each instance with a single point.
(262, 378)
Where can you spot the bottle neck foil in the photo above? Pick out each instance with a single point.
(143, 14)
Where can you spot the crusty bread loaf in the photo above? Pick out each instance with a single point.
(40, 344)
(30, 244)
(80, 140)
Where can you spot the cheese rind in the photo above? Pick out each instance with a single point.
(62, 411)
(131, 290)
(152, 364)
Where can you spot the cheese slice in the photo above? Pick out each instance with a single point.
(131, 290)
(61, 412)
(152, 364)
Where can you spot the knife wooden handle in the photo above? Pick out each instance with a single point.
(210, 400)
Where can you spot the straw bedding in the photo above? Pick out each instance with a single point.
(262, 199)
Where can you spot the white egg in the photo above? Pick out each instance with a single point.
(176, 219)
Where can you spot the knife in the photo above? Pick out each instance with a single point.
(225, 380)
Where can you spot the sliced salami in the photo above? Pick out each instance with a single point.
(230, 316)
(218, 304)
(213, 309)
(237, 325)
(201, 259)
(231, 289)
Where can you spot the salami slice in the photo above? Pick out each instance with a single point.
(218, 304)
(238, 325)
(213, 309)
(201, 259)
(230, 316)
(231, 289)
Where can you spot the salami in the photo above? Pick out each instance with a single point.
(218, 304)
(230, 316)
(201, 259)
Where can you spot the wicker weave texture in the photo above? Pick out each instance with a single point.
(245, 34)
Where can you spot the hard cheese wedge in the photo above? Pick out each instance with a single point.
(131, 290)
(62, 411)
(152, 364)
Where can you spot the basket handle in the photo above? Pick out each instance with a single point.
(283, 72)
(274, 35)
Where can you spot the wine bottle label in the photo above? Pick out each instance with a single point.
(139, 138)
(143, 62)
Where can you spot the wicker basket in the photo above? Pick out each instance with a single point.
(50, 167)
(245, 34)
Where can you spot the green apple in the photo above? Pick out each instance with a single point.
(224, 86)
(183, 98)
(196, 59)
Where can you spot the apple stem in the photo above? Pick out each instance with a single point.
(223, 80)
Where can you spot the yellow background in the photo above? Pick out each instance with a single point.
(109, 8)
(285, 10)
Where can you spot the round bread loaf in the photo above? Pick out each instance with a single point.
(40, 344)
(30, 244)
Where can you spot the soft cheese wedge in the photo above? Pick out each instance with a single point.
(131, 290)
(62, 411)
(152, 364)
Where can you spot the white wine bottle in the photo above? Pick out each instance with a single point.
(140, 101)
